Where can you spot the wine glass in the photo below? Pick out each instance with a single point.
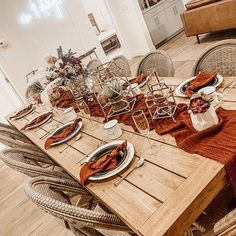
(142, 125)
(84, 109)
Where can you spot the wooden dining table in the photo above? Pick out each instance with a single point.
(164, 196)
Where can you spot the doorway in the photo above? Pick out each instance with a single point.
(103, 25)
(10, 100)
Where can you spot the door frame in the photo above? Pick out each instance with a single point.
(6, 84)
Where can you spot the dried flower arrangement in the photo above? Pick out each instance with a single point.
(65, 65)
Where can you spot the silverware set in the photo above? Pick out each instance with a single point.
(229, 86)
(76, 139)
(82, 161)
(50, 131)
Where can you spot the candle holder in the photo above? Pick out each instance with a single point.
(112, 98)
(160, 101)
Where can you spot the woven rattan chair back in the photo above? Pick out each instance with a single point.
(51, 195)
(31, 163)
(6, 126)
(93, 65)
(13, 138)
(159, 61)
(220, 58)
(120, 66)
(15, 143)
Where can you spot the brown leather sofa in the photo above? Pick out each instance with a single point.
(206, 16)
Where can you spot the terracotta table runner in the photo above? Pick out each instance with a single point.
(217, 142)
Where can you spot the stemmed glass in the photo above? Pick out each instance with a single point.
(142, 124)
(84, 109)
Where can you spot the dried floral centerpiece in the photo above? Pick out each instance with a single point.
(70, 70)
(66, 66)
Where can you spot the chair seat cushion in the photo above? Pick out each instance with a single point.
(198, 3)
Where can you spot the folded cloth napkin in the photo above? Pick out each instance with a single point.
(61, 135)
(21, 112)
(201, 80)
(37, 120)
(66, 100)
(217, 142)
(104, 163)
(139, 79)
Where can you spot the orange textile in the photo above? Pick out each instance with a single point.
(107, 162)
(61, 135)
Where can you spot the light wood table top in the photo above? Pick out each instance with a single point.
(164, 196)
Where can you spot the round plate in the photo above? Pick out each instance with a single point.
(40, 123)
(123, 162)
(70, 136)
(180, 89)
(25, 114)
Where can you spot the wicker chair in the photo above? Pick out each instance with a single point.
(93, 65)
(226, 226)
(31, 163)
(84, 217)
(6, 126)
(159, 61)
(13, 138)
(120, 66)
(221, 58)
(206, 224)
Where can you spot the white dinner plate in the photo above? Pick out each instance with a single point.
(70, 136)
(40, 123)
(180, 89)
(122, 164)
(25, 114)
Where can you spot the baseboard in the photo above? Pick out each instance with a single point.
(169, 38)
(141, 52)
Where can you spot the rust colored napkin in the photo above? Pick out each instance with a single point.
(201, 80)
(217, 142)
(139, 79)
(61, 135)
(37, 120)
(107, 162)
(23, 111)
(66, 100)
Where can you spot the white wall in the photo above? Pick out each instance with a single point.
(185, 1)
(100, 12)
(131, 27)
(34, 28)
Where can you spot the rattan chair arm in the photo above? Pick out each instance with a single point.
(226, 224)
(69, 212)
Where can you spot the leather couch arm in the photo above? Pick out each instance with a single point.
(210, 18)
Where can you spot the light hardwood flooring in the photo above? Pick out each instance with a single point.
(19, 216)
(184, 51)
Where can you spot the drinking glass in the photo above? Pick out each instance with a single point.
(84, 109)
(142, 124)
(59, 116)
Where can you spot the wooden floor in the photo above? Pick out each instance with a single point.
(19, 216)
(184, 51)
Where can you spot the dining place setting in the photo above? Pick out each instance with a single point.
(122, 136)
(155, 109)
